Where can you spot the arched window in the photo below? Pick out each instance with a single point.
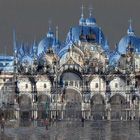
(96, 85)
(128, 82)
(45, 86)
(116, 85)
(26, 85)
(136, 84)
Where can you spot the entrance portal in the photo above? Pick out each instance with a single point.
(73, 104)
(43, 106)
(117, 107)
(25, 107)
(97, 107)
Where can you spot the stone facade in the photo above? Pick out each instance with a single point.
(81, 77)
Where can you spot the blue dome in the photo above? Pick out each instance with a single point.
(49, 41)
(50, 34)
(125, 41)
(76, 32)
(90, 21)
(129, 39)
(82, 21)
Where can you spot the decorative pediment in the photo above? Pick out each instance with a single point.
(71, 61)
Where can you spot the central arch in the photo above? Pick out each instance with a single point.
(43, 106)
(73, 103)
(117, 107)
(97, 107)
(25, 107)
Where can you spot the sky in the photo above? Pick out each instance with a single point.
(30, 19)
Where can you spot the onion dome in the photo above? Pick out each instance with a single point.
(49, 41)
(86, 34)
(91, 21)
(82, 21)
(50, 34)
(129, 39)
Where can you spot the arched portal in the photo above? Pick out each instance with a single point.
(73, 103)
(97, 107)
(25, 107)
(117, 107)
(43, 106)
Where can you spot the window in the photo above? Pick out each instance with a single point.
(66, 83)
(45, 86)
(116, 85)
(96, 85)
(128, 82)
(26, 85)
(136, 84)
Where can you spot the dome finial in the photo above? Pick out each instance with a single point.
(130, 29)
(82, 20)
(90, 11)
(82, 11)
(50, 24)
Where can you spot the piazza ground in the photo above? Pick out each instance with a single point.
(74, 130)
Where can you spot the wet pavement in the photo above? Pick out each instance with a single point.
(72, 130)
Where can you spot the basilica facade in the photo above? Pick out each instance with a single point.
(81, 77)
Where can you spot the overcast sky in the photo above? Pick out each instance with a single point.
(30, 18)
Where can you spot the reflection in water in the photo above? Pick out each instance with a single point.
(75, 131)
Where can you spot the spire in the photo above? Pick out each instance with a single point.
(50, 24)
(82, 21)
(34, 45)
(71, 34)
(100, 36)
(57, 33)
(34, 49)
(130, 29)
(14, 40)
(50, 32)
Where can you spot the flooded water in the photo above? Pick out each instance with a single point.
(100, 130)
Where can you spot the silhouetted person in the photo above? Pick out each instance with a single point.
(46, 123)
(2, 124)
(53, 119)
(82, 120)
